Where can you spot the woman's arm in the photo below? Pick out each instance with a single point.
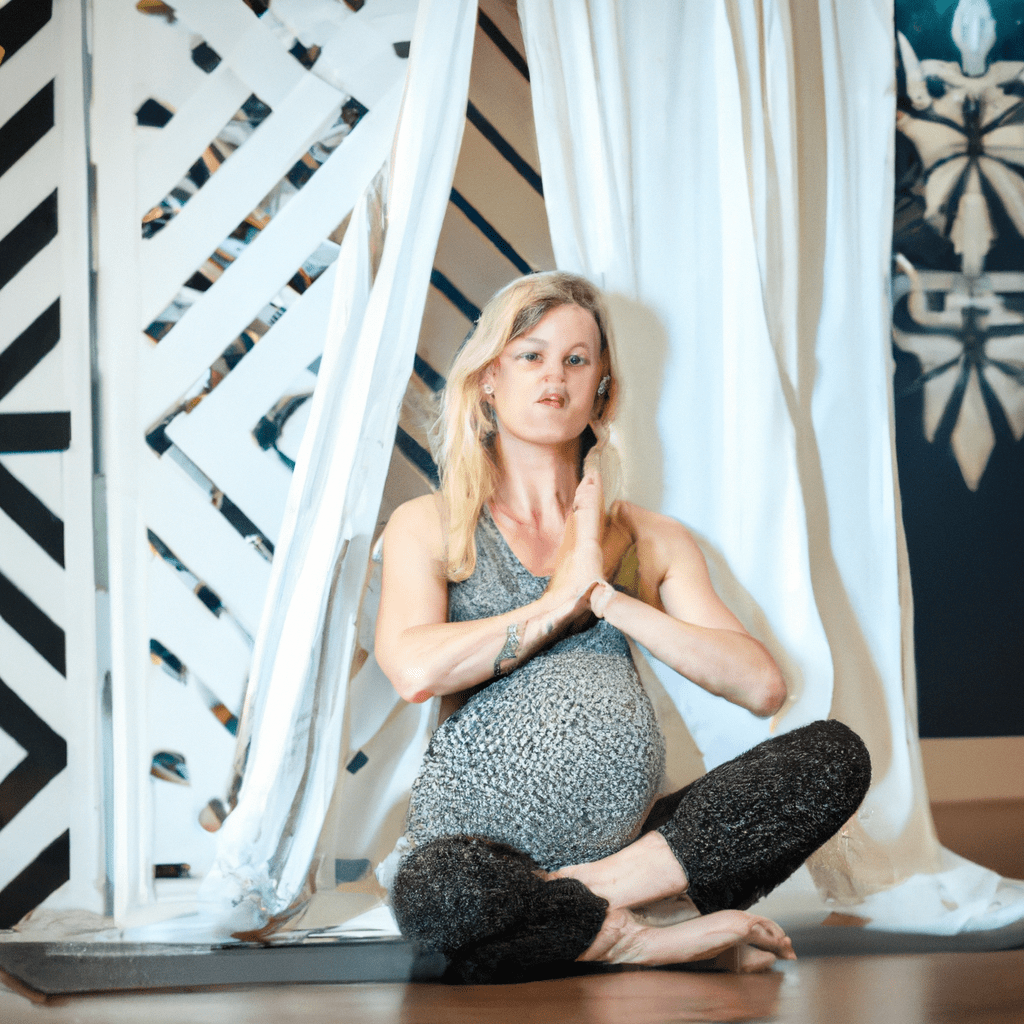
(692, 631)
(422, 653)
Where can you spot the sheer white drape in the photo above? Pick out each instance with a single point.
(294, 719)
(724, 169)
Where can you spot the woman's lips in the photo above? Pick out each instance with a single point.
(555, 401)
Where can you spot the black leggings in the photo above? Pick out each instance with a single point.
(746, 826)
(738, 832)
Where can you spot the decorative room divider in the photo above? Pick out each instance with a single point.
(958, 318)
(50, 830)
(230, 142)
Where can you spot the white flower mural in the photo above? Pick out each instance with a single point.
(966, 122)
(970, 139)
(972, 367)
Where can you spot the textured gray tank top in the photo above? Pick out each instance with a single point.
(560, 758)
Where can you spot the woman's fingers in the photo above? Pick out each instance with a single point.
(599, 488)
(579, 564)
(589, 491)
(588, 509)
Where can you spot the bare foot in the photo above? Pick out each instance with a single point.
(744, 959)
(624, 939)
(642, 873)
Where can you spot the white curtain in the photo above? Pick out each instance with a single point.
(724, 169)
(295, 723)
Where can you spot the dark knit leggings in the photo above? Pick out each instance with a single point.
(738, 832)
(746, 826)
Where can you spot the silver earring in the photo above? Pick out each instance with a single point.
(488, 390)
(602, 388)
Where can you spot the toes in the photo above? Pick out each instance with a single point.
(754, 961)
(767, 935)
(606, 940)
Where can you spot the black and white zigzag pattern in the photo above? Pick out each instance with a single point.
(28, 432)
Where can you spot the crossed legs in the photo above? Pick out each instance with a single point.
(725, 840)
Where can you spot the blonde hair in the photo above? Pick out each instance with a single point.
(464, 435)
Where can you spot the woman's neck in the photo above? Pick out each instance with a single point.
(537, 485)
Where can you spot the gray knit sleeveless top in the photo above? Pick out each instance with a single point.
(560, 758)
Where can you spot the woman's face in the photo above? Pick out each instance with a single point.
(545, 381)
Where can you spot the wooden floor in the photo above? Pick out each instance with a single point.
(960, 988)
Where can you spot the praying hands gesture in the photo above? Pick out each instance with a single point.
(579, 575)
(426, 656)
(674, 613)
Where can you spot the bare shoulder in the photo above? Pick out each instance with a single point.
(672, 561)
(656, 533)
(421, 516)
(417, 524)
(414, 587)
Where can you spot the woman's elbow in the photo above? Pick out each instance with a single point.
(411, 683)
(407, 673)
(769, 693)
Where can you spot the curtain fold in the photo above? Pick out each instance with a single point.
(658, 213)
(724, 169)
(294, 723)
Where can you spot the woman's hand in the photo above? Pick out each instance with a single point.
(579, 565)
(589, 520)
(422, 653)
(601, 597)
(586, 529)
(580, 560)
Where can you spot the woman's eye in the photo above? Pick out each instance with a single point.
(576, 361)
(530, 357)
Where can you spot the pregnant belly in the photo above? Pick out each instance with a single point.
(561, 759)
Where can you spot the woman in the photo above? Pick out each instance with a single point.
(529, 827)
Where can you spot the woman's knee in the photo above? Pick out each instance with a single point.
(843, 757)
(748, 824)
(488, 908)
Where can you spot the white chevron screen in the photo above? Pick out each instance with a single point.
(223, 181)
(224, 178)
